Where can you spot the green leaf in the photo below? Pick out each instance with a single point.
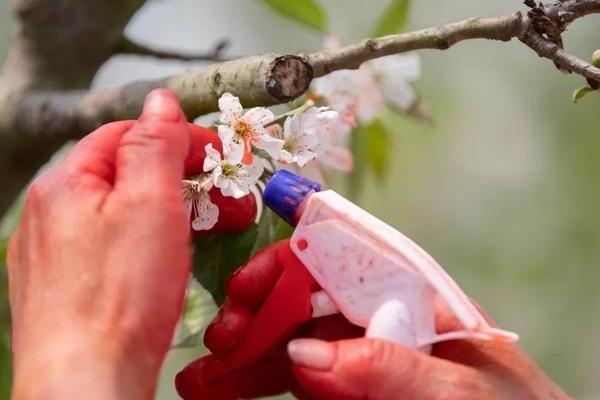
(306, 12)
(581, 92)
(378, 148)
(370, 145)
(359, 148)
(271, 229)
(217, 256)
(11, 218)
(198, 311)
(393, 19)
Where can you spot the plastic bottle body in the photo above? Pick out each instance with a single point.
(377, 277)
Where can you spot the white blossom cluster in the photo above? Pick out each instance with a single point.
(310, 138)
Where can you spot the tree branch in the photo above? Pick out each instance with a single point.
(44, 96)
(58, 45)
(442, 37)
(257, 80)
(271, 79)
(128, 46)
(551, 51)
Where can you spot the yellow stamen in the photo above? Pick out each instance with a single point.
(241, 129)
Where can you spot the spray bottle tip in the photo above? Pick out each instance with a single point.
(285, 191)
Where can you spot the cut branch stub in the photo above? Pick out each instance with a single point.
(289, 77)
(258, 81)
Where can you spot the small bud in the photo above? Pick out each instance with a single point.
(596, 58)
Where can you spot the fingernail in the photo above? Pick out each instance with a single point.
(161, 105)
(312, 353)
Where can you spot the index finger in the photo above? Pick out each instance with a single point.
(95, 153)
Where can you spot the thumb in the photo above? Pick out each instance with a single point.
(376, 369)
(152, 153)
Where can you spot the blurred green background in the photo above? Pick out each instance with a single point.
(503, 189)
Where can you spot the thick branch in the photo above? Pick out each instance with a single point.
(258, 80)
(128, 46)
(58, 45)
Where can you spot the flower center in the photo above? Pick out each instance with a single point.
(291, 145)
(241, 129)
(228, 169)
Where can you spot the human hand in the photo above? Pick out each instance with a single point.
(334, 361)
(100, 260)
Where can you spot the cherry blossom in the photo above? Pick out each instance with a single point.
(363, 92)
(202, 211)
(247, 129)
(302, 133)
(394, 75)
(233, 177)
(333, 151)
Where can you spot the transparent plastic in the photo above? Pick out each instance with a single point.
(377, 277)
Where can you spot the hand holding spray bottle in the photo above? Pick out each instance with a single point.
(343, 260)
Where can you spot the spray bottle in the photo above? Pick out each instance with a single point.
(343, 259)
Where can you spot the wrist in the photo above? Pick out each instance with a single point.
(70, 368)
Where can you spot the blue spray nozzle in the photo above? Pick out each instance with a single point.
(285, 191)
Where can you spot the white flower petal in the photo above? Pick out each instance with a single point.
(234, 189)
(209, 164)
(271, 145)
(231, 109)
(304, 156)
(287, 127)
(226, 134)
(253, 172)
(340, 131)
(236, 153)
(258, 116)
(308, 140)
(286, 157)
(406, 66)
(370, 101)
(399, 94)
(339, 88)
(275, 130)
(212, 159)
(327, 118)
(217, 175)
(212, 153)
(208, 213)
(337, 157)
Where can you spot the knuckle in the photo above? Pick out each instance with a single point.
(466, 385)
(151, 130)
(372, 355)
(154, 137)
(148, 133)
(38, 189)
(378, 352)
(163, 204)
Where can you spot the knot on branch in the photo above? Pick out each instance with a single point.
(288, 77)
(549, 22)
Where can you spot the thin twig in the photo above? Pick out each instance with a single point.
(128, 46)
(442, 37)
